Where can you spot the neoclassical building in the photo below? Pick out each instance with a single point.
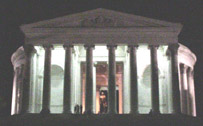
(103, 62)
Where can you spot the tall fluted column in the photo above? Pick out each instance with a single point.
(154, 80)
(112, 80)
(89, 79)
(175, 78)
(133, 80)
(47, 80)
(67, 79)
(28, 49)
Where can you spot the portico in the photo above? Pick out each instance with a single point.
(73, 59)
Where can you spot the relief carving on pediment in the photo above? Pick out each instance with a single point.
(101, 21)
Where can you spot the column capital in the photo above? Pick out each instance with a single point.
(192, 72)
(48, 46)
(173, 47)
(153, 46)
(111, 46)
(189, 70)
(29, 48)
(89, 46)
(132, 47)
(65, 46)
(183, 68)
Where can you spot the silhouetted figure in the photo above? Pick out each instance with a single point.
(77, 109)
(80, 109)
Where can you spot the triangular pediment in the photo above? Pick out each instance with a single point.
(99, 18)
(101, 26)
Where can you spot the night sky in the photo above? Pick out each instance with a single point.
(14, 13)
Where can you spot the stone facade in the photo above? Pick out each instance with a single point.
(163, 81)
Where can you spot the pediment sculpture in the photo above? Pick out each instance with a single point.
(101, 21)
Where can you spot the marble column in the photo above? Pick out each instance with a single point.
(154, 79)
(47, 80)
(192, 90)
(183, 88)
(111, 80)
(175, 78)
(19, 81)
(133, 80)
(189, 97)
(89, 80)
(17, 73)
(67, 79)
(28, 49)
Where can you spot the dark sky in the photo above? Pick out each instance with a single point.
(13, 13)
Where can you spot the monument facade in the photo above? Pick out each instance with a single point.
(103, 62)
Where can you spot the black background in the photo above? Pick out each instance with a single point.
(13, 13)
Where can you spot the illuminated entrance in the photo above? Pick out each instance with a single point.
(100, 95)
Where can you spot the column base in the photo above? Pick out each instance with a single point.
(177, 113)
(134, 112)
(112, 112)
(154, 112)
(45, 111)
(24, 112)
(88, 112)
(66, 110)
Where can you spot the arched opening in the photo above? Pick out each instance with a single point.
(57, 75)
